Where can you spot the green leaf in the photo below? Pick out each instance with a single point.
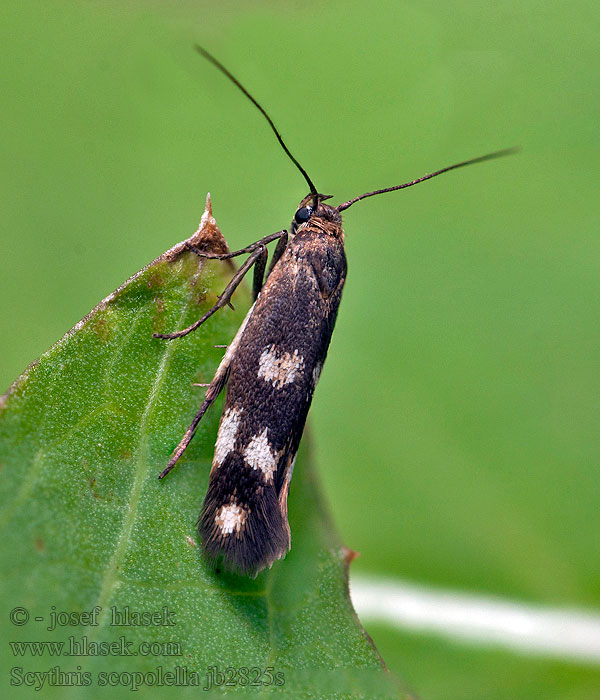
(84, 433)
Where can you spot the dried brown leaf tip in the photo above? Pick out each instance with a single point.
(349, 555)
(207, 239)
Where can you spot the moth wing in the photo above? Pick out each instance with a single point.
(271, 383)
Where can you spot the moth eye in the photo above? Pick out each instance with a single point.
(303, 215)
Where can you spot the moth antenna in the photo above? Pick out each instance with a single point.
(313, 190)
(471, 161)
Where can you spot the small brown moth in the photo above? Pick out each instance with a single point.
(271, 369)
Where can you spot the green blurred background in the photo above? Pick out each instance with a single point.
(456, 423)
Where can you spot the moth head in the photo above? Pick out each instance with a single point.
(322, 216)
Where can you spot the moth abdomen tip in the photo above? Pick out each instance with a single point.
(244, 537)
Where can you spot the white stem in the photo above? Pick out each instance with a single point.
(557, 632)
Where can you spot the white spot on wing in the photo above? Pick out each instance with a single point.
(228, 429)
(280, 368)
(231, 518)
(259, 455)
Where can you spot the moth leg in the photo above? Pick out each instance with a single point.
(214, 389)
(248, 249)
(211, 394)
(259, 272)
(223, 298)
(279, 248)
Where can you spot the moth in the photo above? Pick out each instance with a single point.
(271, 369)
